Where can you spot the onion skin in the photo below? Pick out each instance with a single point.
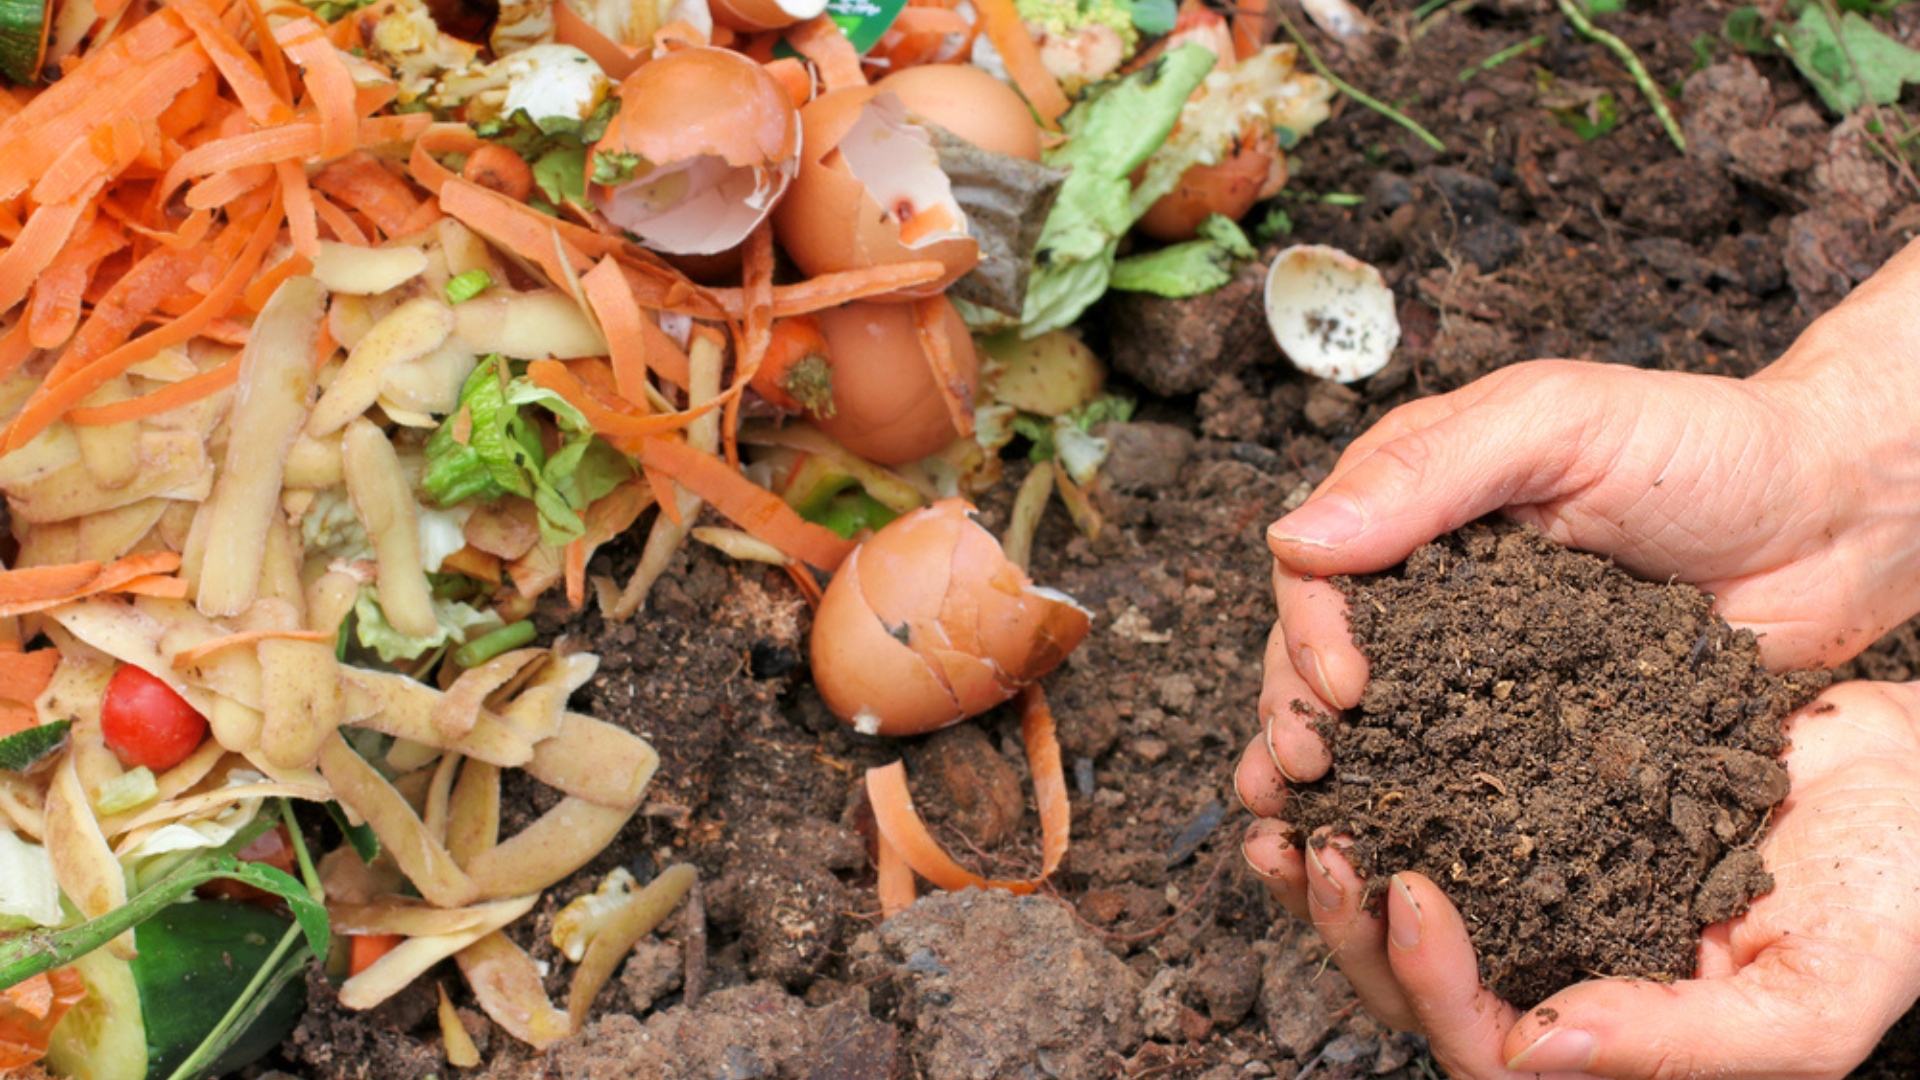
(886, 406)
(927, 623)
(1230, 188)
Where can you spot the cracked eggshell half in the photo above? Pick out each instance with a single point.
(713, 142)
(927, 623)
(1332, 314)
(871, 193)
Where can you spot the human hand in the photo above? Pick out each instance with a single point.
(1801, 986)
(1793, 497)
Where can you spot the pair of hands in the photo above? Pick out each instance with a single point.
(1794, 498)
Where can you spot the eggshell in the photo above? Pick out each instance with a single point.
(755, 15)
(927, 623)
(833, 220)
(887, 406)
(970, 103)
(719, 143)
(1332, 314)
(1228, 187)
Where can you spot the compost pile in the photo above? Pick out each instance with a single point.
(1583, 761)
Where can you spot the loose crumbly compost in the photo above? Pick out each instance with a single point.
(1583, 761)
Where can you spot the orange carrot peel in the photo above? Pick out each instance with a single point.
(38, 588)
(901, 827)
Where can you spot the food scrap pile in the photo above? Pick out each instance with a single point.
(332, 337)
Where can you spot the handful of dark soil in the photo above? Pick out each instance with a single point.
(1583, 761)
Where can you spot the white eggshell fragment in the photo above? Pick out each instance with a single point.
(1331, 313)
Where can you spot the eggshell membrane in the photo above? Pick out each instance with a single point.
(830, 222)
(887, 406)
(970, 103)
(974, 625)
(1230, 187)
(755, 15)
(725, 123)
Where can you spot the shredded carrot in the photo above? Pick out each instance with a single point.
(808, 585)
(1000, 20)
(329, 83)
(930, 321)
(261, 288)
(664, 494)
(55, 308)
(15, 347)
(759, 512)
(16, 717)
(902, 827)
(821, 40)
(513, 227)
(46, 232)
(29, 1011)
(359, 182)
(756, 271)
(193, 654)
(237, 66)
(611, 298)
(37, 588)
(823, 291)
(24, 675)
(364, 949)
(50, 402)
(895, 886)
(793, 77)
(339, 221)
(576, 574)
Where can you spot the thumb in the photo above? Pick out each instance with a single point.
(1409, 488)
(1774, 1018)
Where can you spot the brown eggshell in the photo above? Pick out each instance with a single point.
(1229, 187)
(975, 629)
(726, 128)
(970, 103)
(887, 406)
(704, 101)
(829, 222)
(863, 671)
(752, 16)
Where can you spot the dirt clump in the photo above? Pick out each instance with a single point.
(989, 985)
(1582, 760)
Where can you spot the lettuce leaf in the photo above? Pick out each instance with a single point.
(504, 453)
(1111, 132)
(459, 623)
(1189, 269)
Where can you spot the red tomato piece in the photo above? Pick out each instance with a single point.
(146, 723)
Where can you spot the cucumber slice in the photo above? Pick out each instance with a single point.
(103, 1037)
(23, 39)
(139, 1021)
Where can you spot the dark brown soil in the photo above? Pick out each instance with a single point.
(1522, 240)
(1583, 761)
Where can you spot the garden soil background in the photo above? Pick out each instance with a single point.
(1154, 953)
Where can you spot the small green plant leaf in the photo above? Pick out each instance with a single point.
(1746, 29)
(1852, 66)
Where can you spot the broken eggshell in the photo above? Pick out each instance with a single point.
(927, 623)
(709, 142)
(870, 192)
(887, 406)
(1332, 314)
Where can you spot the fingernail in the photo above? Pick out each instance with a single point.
(1325, 891)
(1307, 662)
(1324, 522)
(1403, 928)
(1559, 1050)
(1256, 831)
(1278, 765)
